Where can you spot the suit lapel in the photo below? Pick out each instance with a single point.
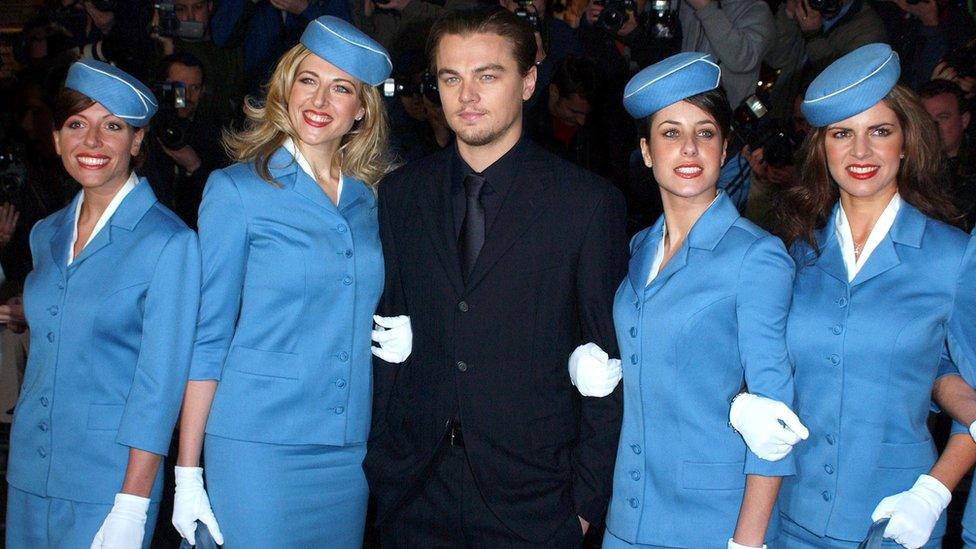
(907, 230)
(524, 203)
(642, 256)
(830, 259)
(61, 239)
(437, 212)
(132, 209)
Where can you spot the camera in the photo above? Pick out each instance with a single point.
(777, 139)
(527, 12)
(663, 20)
(426, 86)
(614, 14)
(167, 125)
(825, 6)
(170, 26)
(13, 171)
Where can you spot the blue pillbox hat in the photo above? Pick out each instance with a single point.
(669, 81)
(851, 85)
(346, 47)
(118, 91)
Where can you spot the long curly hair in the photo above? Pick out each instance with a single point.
(805, 206)
(363, 152)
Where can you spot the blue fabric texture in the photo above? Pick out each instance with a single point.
(119, 92)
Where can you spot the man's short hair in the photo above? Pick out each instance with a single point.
(577, 75)
(179, 58)
(486, 20)
(940, 86)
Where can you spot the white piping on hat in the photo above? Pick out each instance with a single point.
(142, 97)
(678, 68)
(364, 46)
(849, 86)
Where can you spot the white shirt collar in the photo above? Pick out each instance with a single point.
(106, 215)
(289, 146)
(843, 231)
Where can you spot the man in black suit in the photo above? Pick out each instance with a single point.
(506, 258)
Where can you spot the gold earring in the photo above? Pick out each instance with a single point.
(902, 156)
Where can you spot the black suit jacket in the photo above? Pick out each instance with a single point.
(495, 351)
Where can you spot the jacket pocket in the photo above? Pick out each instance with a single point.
(105, 417)
(263, 363)
(713, 476)
(914, 455)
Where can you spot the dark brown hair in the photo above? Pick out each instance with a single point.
(71, 102)
(485, 20)
(804, 207)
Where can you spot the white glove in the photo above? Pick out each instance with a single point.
(913, 513)
(191, 504)
(972, 430)
(394, 336)
(593, 372)
(768, 426)
(125, 525)
(734, 545)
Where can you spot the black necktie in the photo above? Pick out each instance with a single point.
(472, 236)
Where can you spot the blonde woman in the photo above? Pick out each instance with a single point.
(292, 272)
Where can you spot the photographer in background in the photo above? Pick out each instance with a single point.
(922, 32)
(183, 144)
(811, 34)
(946, 104)
(114, 31)
(560, 121)
(184, 26)
(266, 29)
(417, 124)
(736, 32)
(554, 38)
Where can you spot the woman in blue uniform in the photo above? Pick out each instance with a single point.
(884, 289)
(292, 273)
(702, 311)
(111, 304)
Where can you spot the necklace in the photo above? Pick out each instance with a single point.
(858, 248)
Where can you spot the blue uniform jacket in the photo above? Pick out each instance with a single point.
(866, 354)
(290, 284)
(111, 340)
(713, 320)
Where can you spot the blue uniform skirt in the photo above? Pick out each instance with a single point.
(35, 522)
(794, 536)
(283, 495)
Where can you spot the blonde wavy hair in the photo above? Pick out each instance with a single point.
(363, 152)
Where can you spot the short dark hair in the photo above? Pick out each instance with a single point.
(577, 75)
(179, 58)
(713, 102)
(487, 20)
(940, 86)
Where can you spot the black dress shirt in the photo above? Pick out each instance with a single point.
(498, 177)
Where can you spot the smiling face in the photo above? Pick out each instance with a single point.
(685, 149)
(481, 88)
(323, 103)
(863, 152)
(96, 148)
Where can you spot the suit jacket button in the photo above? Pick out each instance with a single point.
(635, 474)
(826, 495)
(44, 402)
(636, 448)
(338, 409)
(461, 366)
(634, 502)
(463, 306)
(41, 451)
(836, 330)
(50, 337)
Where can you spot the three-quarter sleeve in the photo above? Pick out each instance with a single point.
(223, 249)
(168, 327)
(763, 297)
